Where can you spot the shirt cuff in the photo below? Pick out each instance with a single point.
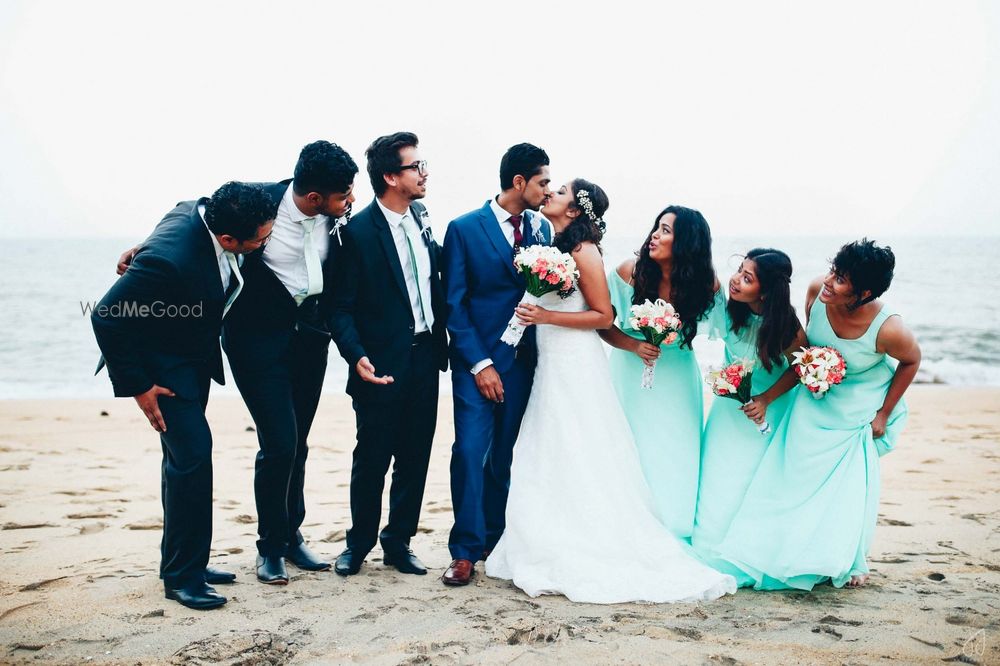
(482, 365)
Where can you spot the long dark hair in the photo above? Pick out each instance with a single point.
(589, 224)
(779, 323)
(692, 277)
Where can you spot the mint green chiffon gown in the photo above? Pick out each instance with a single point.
(666, 420)
(732, 446)
(809, 514)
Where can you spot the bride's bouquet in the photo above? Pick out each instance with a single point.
(819, 368)
(733, 381)
(658, 323)
(545, 270)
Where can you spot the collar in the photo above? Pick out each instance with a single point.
(392, 217)
(502, 214)
(294, 214)
(215, 241)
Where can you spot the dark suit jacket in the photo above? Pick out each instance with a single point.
(371, 313)
(264, 305)
(163, 316)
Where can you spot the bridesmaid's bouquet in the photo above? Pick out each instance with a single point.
(658, 322)
(545, 270)
(733, 381)
(819, 368)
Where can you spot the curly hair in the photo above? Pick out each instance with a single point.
(779, 324)
(692, 276)
(324, 168)
(584, 227)
(383, 157)
(239, 210)
(867, 266)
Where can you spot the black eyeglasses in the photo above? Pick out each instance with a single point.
(420, 166)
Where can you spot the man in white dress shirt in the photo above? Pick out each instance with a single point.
(163, 350)
(388, 323)
(277, 340)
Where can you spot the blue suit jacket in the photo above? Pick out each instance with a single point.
(482, 286)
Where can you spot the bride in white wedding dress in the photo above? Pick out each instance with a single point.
(579, 515)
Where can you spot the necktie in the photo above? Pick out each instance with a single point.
(515, 221)
(411, 233)
(314, 267)
(235, 281)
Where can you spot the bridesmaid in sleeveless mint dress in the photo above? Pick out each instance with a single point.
(758, 324)
(666, 420)
(810, 512)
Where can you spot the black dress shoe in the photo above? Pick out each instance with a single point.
(304, 558)
(215, 576)
(196, 595)
(271, 570)
(405, 561)
(349, 562)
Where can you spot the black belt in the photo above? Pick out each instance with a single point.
(422, 338)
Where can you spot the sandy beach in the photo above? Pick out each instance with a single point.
(79, 534)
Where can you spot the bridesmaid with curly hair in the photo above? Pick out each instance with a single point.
(675, 264)
(809, 514)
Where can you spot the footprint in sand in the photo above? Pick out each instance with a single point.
(148, 524)
(24, 526)
(87, 515)
(93, 528)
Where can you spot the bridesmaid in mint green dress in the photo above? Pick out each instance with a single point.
(758, 324)
(809, 514)
(675, 264)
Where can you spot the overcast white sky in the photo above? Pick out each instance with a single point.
(778, 117)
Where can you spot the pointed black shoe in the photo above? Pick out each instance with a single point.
(271, 570)
(348, 562)
(198, 596)
(304, 558)
(215, 576)
(405, 561)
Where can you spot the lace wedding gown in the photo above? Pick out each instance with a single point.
(580, 520)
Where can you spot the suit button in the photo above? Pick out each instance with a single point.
(411, 328)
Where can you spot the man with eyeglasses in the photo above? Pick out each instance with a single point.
(389, 325)
(188, 268)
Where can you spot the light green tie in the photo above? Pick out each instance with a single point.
(314, 267)
(234, 265)
(413, 234)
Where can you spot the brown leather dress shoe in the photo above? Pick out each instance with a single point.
(459, 573)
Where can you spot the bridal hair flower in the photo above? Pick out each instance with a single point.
(587, 206)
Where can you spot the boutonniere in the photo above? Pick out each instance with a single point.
(425, 227)
(536, 229)
(339, 224)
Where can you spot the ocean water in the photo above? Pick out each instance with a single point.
(942, 288)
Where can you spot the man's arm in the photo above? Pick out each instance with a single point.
(343, 307)
(148, 278)
(470, 348)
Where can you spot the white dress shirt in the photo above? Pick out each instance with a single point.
(284, 253)
(423, 258)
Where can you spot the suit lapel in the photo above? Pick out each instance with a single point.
(389, 247)
(499, 242)
(213, 279)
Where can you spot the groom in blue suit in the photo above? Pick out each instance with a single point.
(491, 380)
